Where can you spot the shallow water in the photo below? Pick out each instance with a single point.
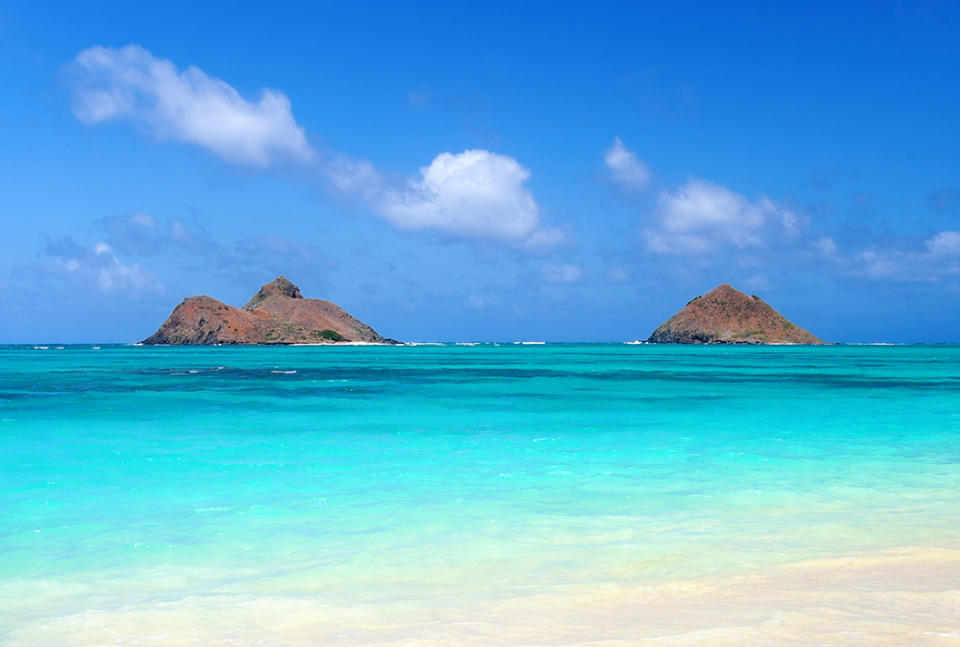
(483, 494)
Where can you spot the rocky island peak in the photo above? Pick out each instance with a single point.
(727, 316)
(279, 286)
(277, 314)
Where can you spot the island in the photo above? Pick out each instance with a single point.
(277, 314)
(727, 316)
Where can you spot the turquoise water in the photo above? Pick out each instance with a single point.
(418, 478)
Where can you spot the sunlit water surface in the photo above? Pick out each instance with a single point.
(456, 495)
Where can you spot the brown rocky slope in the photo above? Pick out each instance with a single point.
(277, 314)
(727, 316)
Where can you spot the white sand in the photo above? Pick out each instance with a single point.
(908, 597)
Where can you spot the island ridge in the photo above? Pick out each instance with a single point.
(277, 314)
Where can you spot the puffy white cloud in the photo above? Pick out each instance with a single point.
(627, 171)
(699, 216)
(474, 194)
(561, 273)
(188, 106)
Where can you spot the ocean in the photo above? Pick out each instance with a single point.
(558, 494)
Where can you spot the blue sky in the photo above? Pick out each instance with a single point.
(487, 172)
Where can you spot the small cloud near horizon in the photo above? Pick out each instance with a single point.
(94, 266)
(925, 260)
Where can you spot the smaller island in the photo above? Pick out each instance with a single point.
(727, 316)
(277, 314)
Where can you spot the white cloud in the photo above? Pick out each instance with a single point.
(827, 246)
(628, 172)
(924, 261)
(561, 273)
(477, 194)
(699, 216)
(878, 264)
(188, 106)
(355, 178)
(474, 194)
(946, 242)
(99, 267)
(143, 219)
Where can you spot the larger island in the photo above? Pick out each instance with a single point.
(277, 314)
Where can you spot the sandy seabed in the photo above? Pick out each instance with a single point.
(907, 596)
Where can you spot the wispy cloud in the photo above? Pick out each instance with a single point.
(132, 84)
(140, 234)
(927, 260)
(419, 99)
(703, 224)
(700, 216)
(561, 273)
(480, 302)
(618, 275)
(627, 171)
(98, 267)
(473, 195)
(113, 261)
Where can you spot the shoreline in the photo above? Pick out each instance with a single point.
(338, 343)
(902, 596)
